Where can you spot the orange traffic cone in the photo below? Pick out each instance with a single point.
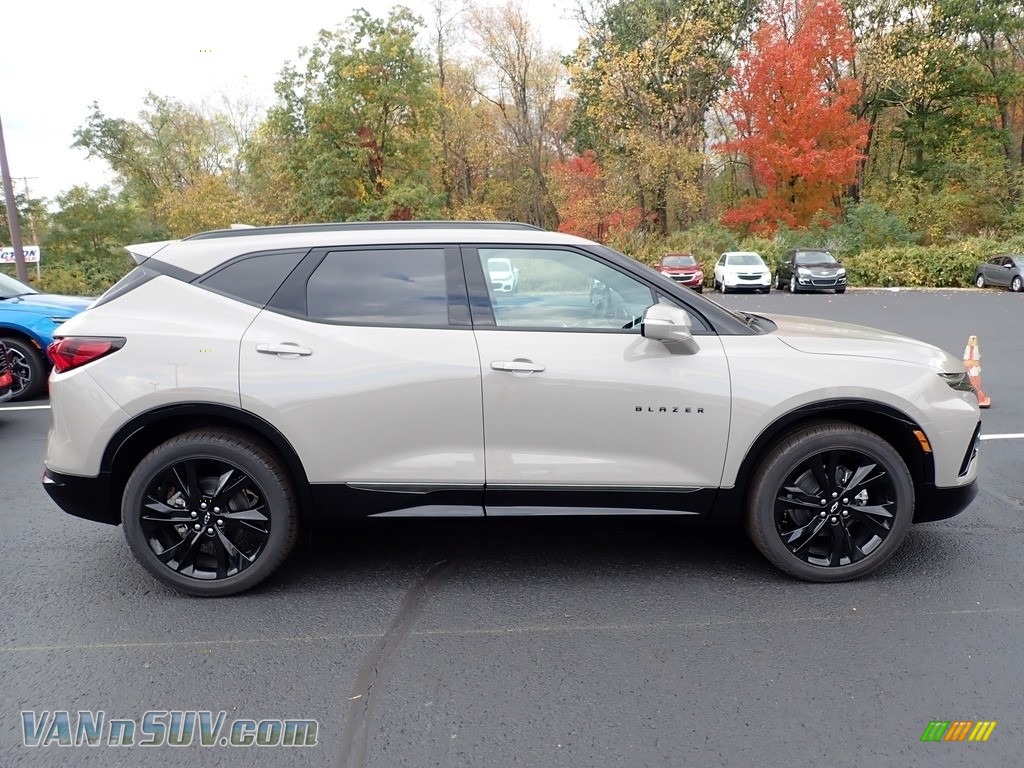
(972, 362)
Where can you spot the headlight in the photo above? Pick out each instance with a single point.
(803, 271)
(961, 382)
(842, 273)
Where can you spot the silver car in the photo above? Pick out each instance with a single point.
(237, 386)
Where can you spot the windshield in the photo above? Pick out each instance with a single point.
(678, 261)
(499, 265)
(815, 257)
(1018, 260)
(9, 287)
(744, 260)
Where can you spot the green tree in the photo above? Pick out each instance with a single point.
(353, 131)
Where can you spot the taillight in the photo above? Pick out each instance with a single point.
(74, 351)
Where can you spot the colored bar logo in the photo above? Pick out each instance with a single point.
(958, 730)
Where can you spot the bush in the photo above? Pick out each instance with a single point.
(88, 274)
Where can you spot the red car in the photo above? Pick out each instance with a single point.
(684, 269)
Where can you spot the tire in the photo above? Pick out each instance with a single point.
(778, 281)
(245, 531)
(28, 368)
(766, 290)
(840, 290)
(979, 280)
(1016, 284)
(830, 548)
(792, 285)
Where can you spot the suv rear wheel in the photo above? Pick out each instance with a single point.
(830, 502)
(210, 513)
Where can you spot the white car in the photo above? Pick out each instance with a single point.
(237, 386)
(742, 270)
(504, 277)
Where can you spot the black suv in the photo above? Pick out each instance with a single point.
(807, 269)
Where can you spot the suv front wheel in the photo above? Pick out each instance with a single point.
(830, 502)
(210, 512)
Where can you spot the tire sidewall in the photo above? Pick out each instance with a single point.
(1015, 285)
(37, 368)
(769, 479)
(278, 498)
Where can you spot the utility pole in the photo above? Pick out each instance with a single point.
(13, 221)
(31, 220)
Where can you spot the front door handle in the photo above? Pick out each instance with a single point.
(285, 349)
(519, 365)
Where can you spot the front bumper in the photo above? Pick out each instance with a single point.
(942, 503)
(85, 497)
(810, 281)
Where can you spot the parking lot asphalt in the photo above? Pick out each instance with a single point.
(590, 643)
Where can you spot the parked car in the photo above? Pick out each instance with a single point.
(684, 269)
(1005, 270)
(27, 322)
(6, 380)
(240, 384)
(810, 269)
(742, 270)
(504, 276)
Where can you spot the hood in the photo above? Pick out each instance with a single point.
(41, 303)
(819, 265)
(824, 337)
(681, 270)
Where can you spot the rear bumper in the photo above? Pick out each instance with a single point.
(942, 503)
(85, 497)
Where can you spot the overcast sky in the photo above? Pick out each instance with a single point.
(59, 56)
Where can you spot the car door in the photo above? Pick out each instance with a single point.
(365, 360)
(994, 271)
(581, 412)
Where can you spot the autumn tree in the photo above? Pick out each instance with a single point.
(646, 73)
(523, 83)
(791, 109)
(591, 203)
(352, 134)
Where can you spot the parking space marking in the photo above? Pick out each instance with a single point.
(25, 408)
(1007, 436)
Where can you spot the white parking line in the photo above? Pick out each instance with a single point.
(25, 408)
(1007, 436)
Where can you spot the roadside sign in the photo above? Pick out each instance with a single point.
(32, 254)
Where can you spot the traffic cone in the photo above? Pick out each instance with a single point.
(972, 362)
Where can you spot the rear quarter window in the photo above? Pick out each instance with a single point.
(254, 278)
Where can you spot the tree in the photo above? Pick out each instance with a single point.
(355, 128)
(791, 108)
(523, 83)
(590, 203)
(90, 222)
(647, 72)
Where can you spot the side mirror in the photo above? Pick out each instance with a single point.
(671, 326)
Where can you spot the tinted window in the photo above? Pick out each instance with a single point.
(815, 257)
(744, 260)
(678, 261)
(382, 287)
(254, 278)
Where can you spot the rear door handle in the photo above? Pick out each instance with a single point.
(285, 349)
(517, 366)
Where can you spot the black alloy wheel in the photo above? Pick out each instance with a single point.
(831, 502)
(210, 513)
(27, 369)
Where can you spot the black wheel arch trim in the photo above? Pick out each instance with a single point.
(886, 421)
(182, 417)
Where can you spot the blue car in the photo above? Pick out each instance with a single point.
(28, 320)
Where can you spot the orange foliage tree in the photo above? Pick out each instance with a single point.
(791, 106)
(588, 201)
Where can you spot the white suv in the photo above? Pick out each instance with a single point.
(239, 384)
(742, 270)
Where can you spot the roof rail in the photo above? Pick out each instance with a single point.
(342, 226)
